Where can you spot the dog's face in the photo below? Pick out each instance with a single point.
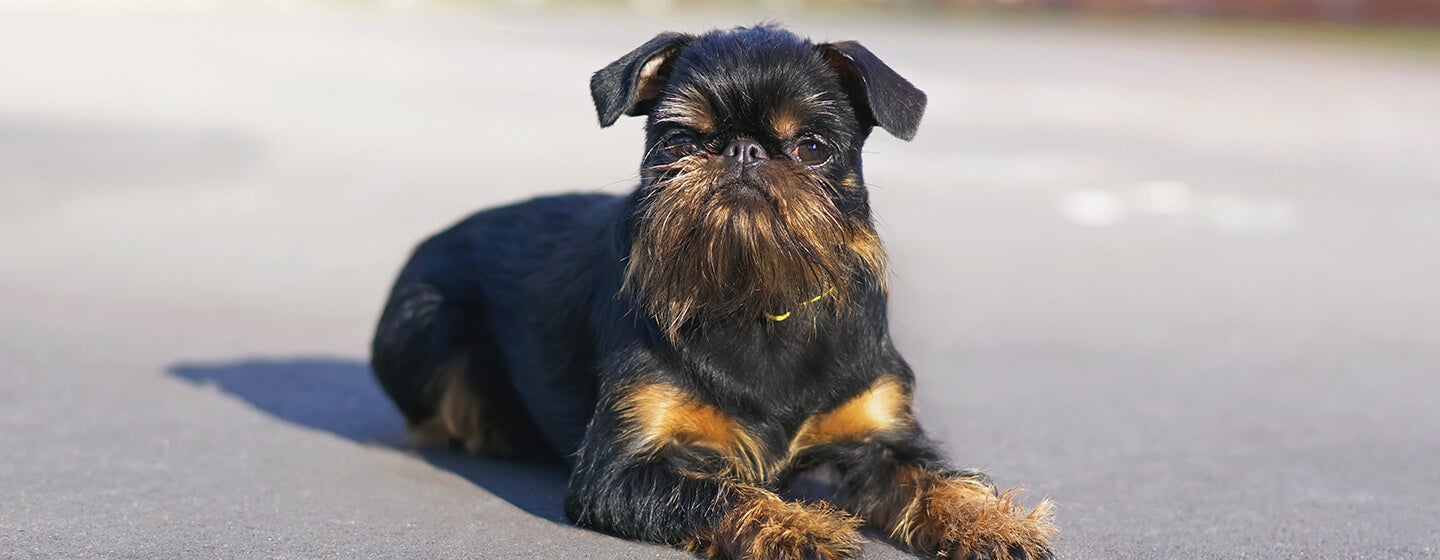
(752, 198)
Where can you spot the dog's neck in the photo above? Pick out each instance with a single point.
(777, 317)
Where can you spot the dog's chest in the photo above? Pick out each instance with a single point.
(758, 447)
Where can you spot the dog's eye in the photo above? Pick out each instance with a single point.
(681, 145)
(811, 152)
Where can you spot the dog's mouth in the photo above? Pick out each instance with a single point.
(761, 187)
(746, 194)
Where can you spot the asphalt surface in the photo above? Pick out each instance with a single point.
(1186, 286)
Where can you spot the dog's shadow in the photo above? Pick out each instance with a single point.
(341, 397)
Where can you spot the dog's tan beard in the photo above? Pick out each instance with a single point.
(702, 252)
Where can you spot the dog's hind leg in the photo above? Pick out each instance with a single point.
(463, 416)
(444, 373)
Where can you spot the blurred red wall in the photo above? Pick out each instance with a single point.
(1380, 11)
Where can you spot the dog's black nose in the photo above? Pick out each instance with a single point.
(745, 152)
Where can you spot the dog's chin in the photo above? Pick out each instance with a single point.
(709, 246)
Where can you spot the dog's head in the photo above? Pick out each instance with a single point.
(752, 198)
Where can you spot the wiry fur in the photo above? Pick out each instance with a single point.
(640, 338)
(762, 525)
(961, 517)
(658, 416)
(703, 252)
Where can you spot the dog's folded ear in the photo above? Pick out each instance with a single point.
(629, 86)
(880, 96)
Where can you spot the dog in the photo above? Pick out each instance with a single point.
(696, 350)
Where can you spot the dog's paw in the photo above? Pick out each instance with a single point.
(765, 527)
(963, 519)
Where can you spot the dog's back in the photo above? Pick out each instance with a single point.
(463, 316)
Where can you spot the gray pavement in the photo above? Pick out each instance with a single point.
(1186, 286)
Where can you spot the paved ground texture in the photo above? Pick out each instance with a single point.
(1184, 285)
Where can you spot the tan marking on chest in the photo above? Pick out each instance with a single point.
(884, 407)
(656, 415)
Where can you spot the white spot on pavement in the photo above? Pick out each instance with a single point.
(1092, 207)
(1163, 198)
(1177, 203)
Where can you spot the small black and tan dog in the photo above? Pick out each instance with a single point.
(694, 347)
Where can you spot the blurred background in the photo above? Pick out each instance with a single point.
(1170, 262)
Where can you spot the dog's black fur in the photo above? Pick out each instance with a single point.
(691, 348)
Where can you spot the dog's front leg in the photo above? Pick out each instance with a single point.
(895, 482)
(660, 466)
(890, 474)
